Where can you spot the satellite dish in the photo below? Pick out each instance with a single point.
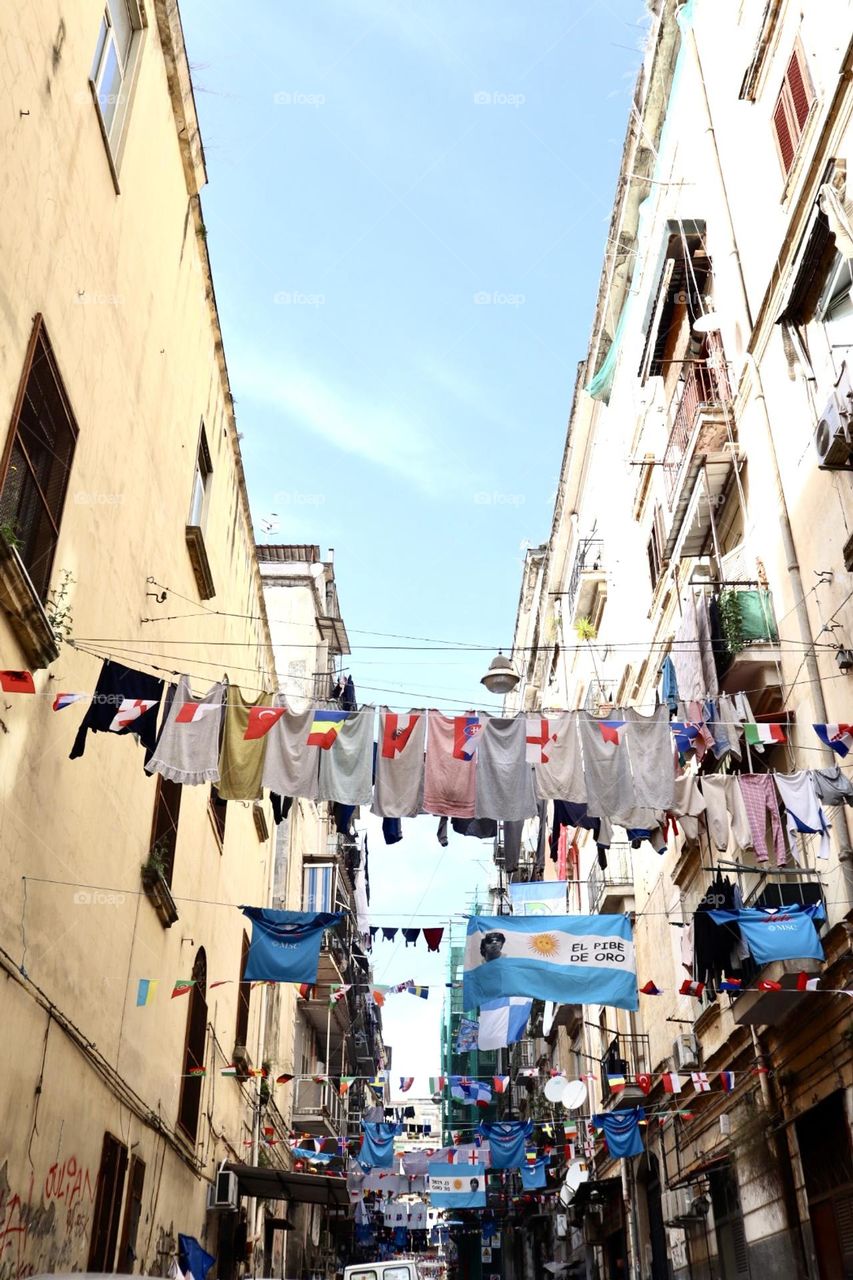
(576, 1175)
(574, 1094)
(554, 1088)
(707, 323)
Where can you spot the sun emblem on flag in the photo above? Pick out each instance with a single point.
(457, 1184)
(545, 945)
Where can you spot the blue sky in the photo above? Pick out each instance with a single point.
(406, 212)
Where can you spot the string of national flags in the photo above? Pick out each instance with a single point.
(804, 982)
(326, 724)
(147, 989)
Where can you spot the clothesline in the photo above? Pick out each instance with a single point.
(201, 677)
(210, 902)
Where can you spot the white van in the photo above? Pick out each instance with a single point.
(399, 1270)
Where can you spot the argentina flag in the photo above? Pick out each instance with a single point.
(567, 959)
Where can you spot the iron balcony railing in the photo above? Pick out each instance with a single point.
(618, 874)
(589, 558)
(317, 1101)
(704, 384)
(628, 1057)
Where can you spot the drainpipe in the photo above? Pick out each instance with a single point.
(840, 825)
(630, 1203)
(839, 821)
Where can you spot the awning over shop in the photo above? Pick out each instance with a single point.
(280, 1184)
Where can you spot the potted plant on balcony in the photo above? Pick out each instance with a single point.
(154, 882)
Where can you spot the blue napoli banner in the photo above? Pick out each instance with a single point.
(192, 1258)
(285, 944)
(533, 1176)
(538, 898)
(377, 1145)
(567, 959)
(622, 1131)
(508, 1141)
(457, 1186)
(788, 933)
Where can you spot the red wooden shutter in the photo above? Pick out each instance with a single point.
(800, 90)
(783, 134)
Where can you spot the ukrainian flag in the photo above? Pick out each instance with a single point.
(325, 728)
(145, 992)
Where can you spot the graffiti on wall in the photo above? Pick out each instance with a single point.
(44, 1223)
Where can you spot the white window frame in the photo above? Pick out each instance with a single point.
(114, 131)
(202, 483)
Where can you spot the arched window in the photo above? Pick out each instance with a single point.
(191, 1085)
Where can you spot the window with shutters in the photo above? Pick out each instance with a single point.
(218, 811)
(164, 830)
(656, 546)
(127, 1253)
(189, 1106)
(37, 462)
(108, 1197)
(792, 108)
(243, 995)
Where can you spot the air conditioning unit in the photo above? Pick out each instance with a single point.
(833, 436)
(223, 1193)
(685, 1053)
(676, 1204)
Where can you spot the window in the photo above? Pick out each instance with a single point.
(792, 108)
(108, 1197)
(189, 1105)
(197, 519)
(656, 547)
(218, 810)
(243, 997)
(201, 484)
(37, 462)
(318, 887)
(112, 67)
(164, 831)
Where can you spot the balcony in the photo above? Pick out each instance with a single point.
(752, 640)
(700, 453)
(587, 590)
(317, 1107)
(611, 890)
(630, 1057)
(753, 1008)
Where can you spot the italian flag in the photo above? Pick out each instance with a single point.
(757, 735)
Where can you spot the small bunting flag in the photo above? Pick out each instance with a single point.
(761, 735)
(197, 1071)
(690, 988)
(415, 990)
(183, 987)
(345, 1084)
(63, 700)
(306, 990)
(616, 1083)
(767, 984)
(805, 983)
(701, 1083)
(837, 736)
(727, 1080)
(500, 1083)
(17, 682)
(730, 984)
(650, 990)
(284, 1078)
(644, 1082)
(231, 1070)
(406, 1083)
(672, 1082)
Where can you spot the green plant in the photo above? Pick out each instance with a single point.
(585, 629)
(730, 621)
(157, 862)
(58, 607)
(9, 534)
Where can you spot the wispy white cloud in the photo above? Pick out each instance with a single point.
(387, 435)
